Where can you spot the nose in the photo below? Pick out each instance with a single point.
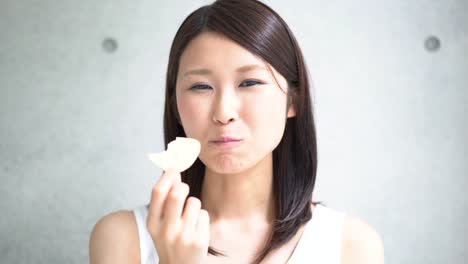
(225, 108)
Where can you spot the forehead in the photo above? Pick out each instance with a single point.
(214, 50)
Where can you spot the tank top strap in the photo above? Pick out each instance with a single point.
(148, 252)
(321, 240)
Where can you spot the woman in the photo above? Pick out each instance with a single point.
(237, 82)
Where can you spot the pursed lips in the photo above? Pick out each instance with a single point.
(225, 139)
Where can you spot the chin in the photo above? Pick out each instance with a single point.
(226, 164)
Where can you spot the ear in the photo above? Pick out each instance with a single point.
(292, 111)
(291, 108)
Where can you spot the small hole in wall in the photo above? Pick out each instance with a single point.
(432, 44)
(109, 45)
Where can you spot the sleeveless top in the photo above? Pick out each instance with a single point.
(319, 243)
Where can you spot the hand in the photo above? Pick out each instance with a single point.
(180, 235)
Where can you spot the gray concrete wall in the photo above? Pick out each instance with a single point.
(78, 116)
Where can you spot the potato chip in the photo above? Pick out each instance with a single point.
(181, 153)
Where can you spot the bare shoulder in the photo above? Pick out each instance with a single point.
(361, 243)
(114, 239)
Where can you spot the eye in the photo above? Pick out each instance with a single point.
(250, 82)
(200, 87)
(206, 87)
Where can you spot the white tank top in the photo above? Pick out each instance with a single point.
(320, 242)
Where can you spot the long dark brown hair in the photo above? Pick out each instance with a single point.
(260, 30)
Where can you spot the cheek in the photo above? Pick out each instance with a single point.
(269, 107)
(192, 113)
(267, 116)
(185, 107)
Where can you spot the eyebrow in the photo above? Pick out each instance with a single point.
(244, 68)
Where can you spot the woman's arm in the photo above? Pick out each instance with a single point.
(114, 240)
(361, 243)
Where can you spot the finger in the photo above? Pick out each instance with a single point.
(203, 226)
(158, 196)
(174, 175)
(175, 203)
(190, 214)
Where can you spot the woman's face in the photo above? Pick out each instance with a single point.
(223, 90)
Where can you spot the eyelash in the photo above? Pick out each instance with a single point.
(204, 85)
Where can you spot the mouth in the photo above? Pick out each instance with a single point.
(226, 142)
(225, 139)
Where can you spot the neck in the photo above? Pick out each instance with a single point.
(244, 197)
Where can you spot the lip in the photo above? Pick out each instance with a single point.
(225, 139)
(227, 144)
